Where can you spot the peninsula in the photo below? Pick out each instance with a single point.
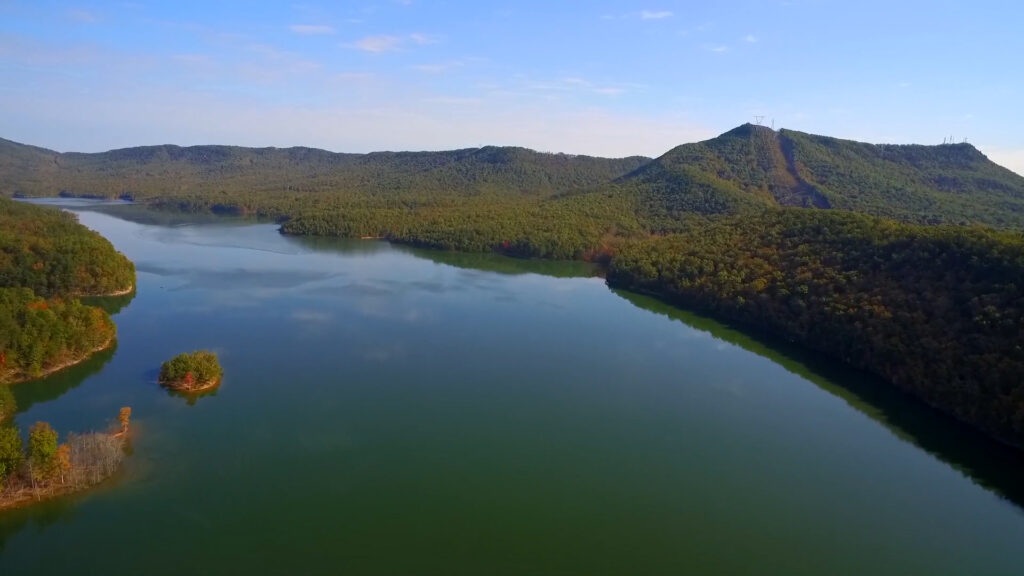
(47, 260)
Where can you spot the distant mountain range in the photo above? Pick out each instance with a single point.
(153, 171)
(749, 167)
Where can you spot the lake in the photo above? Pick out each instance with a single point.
(394, 411)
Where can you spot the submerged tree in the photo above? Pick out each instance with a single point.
(93, 457)
(124, 417)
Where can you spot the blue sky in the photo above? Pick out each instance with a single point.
(606, 78)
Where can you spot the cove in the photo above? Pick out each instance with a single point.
(386, 410)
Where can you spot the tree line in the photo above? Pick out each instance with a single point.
(936, 311)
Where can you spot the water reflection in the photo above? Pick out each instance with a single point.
(47, 389)
(192, 397)
(477, 261)
(342, 245)
(40, 516)
(144, 214)
(110, 304)
(988, 463)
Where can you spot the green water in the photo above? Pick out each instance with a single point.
(391, 411)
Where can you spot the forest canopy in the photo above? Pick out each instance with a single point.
(191, 371)
(46, 259)
(937, 311)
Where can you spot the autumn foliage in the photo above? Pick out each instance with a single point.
(46, 467)
(191, 371)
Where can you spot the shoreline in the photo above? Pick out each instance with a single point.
(68, 364)
(177, 387)
(26, 496)
(54, 369)
(128, 290)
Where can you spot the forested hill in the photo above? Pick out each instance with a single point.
(754, 166)
(49, 252)
(935, 310)
(46, 258)
(235, 172)
(747, 168)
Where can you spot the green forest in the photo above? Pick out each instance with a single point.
(47, 259)
(905, 261)
(936, 311)
(49, 252)
(191, 371)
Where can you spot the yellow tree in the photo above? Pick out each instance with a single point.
(63, 461)
(124, 416)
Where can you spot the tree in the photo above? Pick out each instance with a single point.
(191, 371)
(10, 452)
(7, 405)
(123, 417)
(42, 451)
(63, 461)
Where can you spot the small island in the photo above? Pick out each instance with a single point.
(191, 372)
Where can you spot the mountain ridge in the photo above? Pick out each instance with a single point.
(748, 168)
(754, 165)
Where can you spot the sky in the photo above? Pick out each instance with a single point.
(601, 77)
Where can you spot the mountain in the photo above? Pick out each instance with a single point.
(747, 168)
(163, 171)
(754, 166)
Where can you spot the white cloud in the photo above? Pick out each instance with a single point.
(655, 14)
(423, 39)
(386, 43)
(438, 68)
(377, 44)
(311, 29)
(718, 49)
(750, 38)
